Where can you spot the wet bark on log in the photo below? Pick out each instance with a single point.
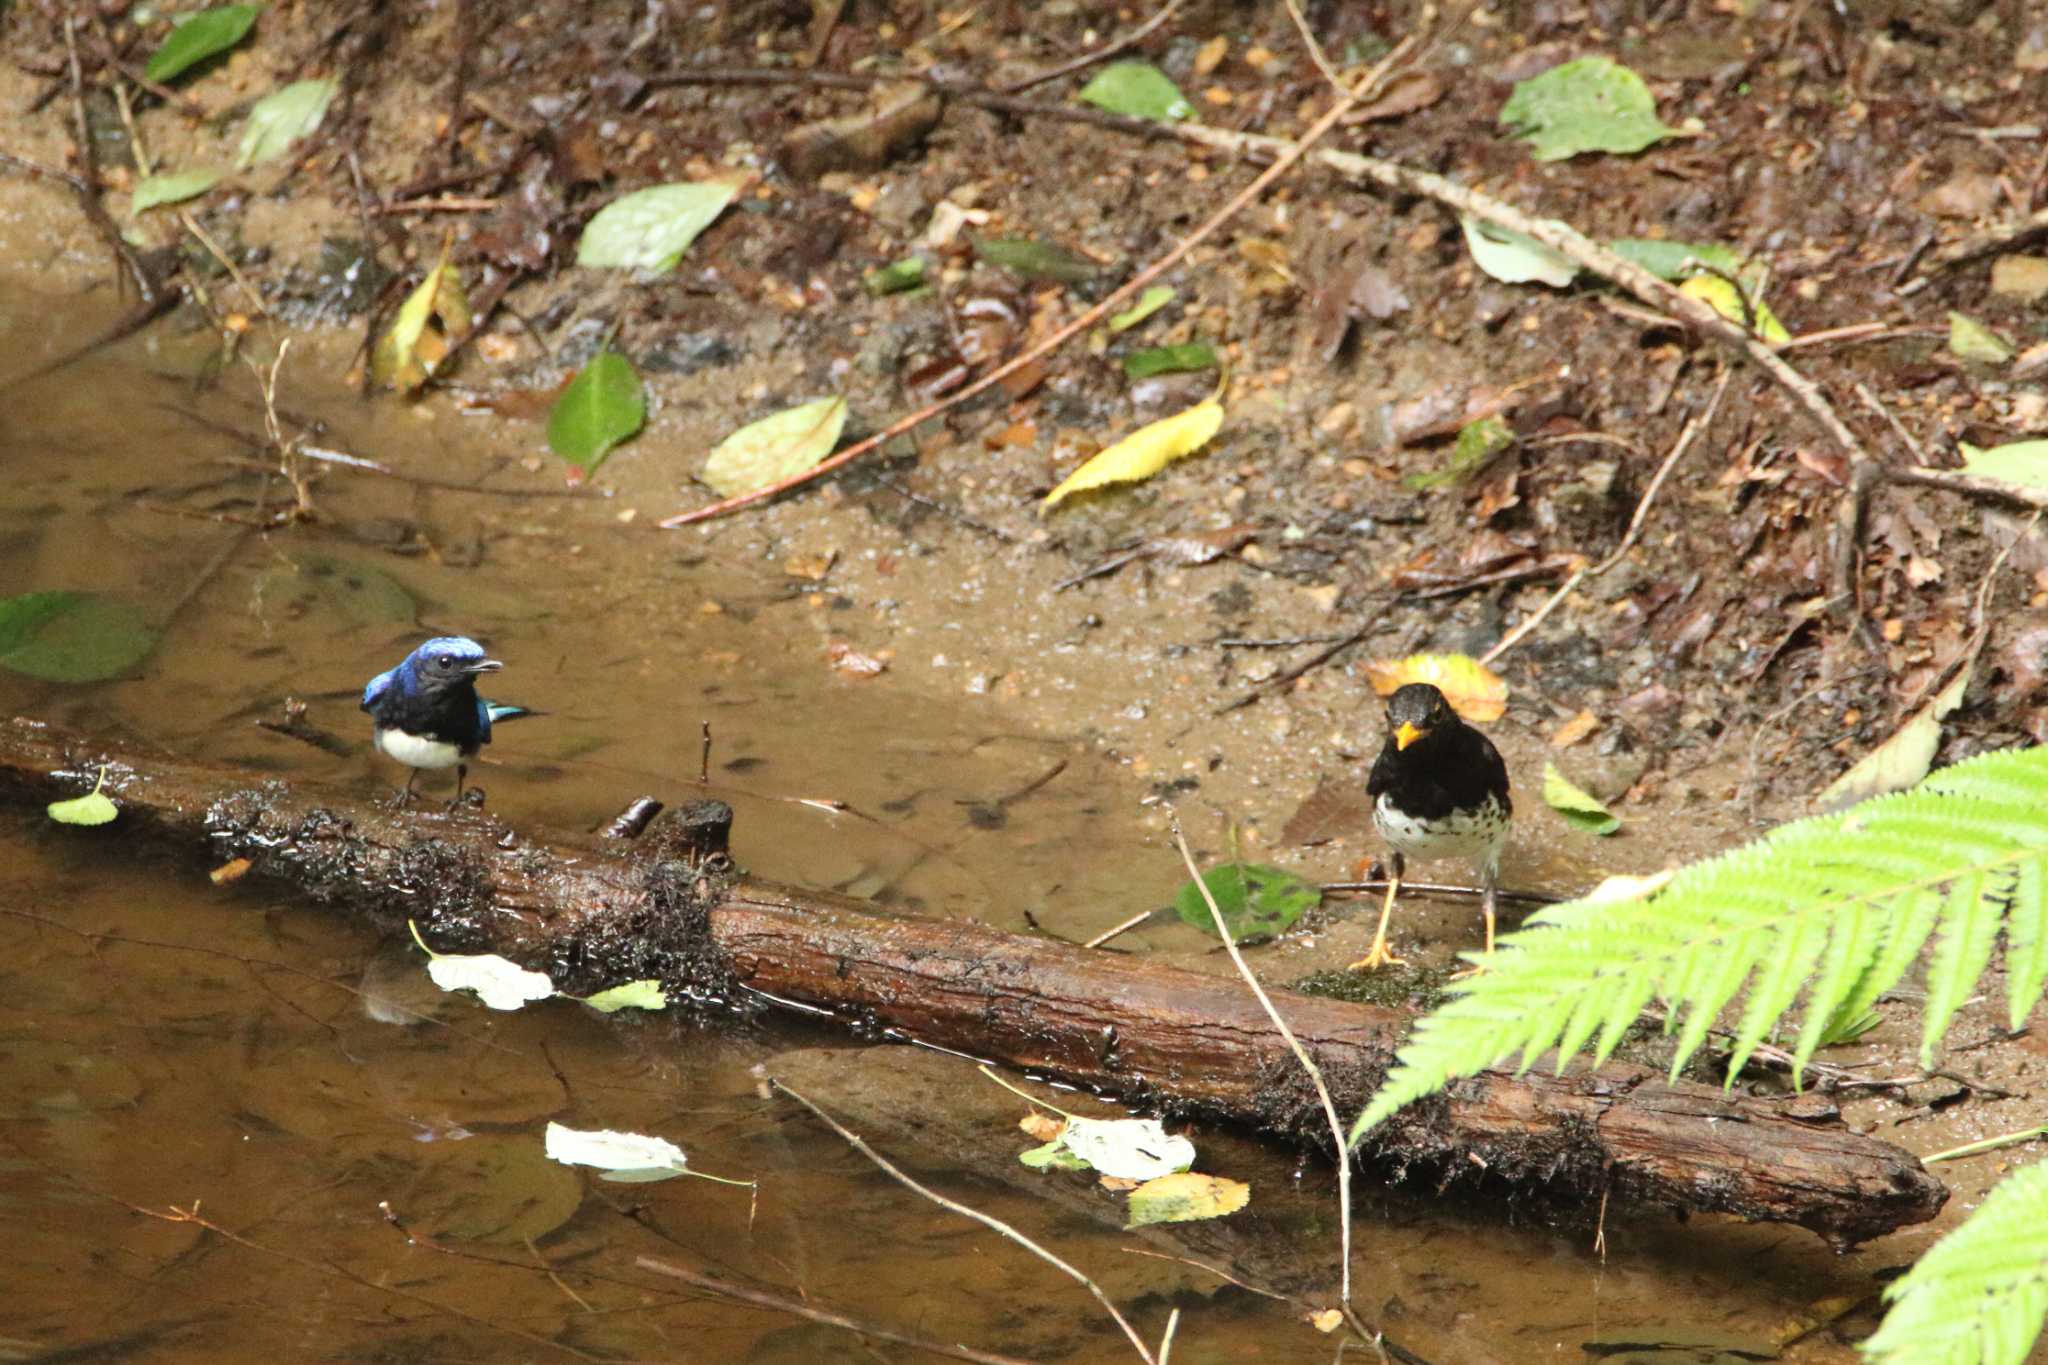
(594, 913)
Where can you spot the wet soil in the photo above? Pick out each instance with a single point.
(1016, 760)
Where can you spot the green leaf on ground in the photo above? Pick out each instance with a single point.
(1594, 104)
(1580, 808)
(603, 405)
(2022, 462)
(650, 229)
(1257, 901)
(93, 808)
(895, 277)
(72, 637)
(1669, 260)
(645, 994)
(775, 448)
(205, 34)
(339, 592)
(1138, 89)
(1149, 302)
(281, 118)
(1035, 260)
(1969, 339)
(172, 187)
(1185, 1198)
(1478, 443)
(1513, 258)
(410, 350)
(1189, 355)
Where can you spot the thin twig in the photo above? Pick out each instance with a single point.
(1118, 930)
(1635, 525)
(1281, 679)
(1315, 1073)
(1315, 49)
(1080, 324)
(1090, 58)
(776, 1303)
(860, 1145)
(1445, 889)
(1990, 1144)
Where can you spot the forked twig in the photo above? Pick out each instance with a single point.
(860, 1145)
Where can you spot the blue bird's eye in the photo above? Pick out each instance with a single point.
(447, 661)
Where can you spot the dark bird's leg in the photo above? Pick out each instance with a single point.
(1489, 904)
(1379, 955)
(462, 776)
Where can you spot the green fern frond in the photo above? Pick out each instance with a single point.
(1838, 906)
(1979, 1296)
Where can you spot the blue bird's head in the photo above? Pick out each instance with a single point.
(447, 662)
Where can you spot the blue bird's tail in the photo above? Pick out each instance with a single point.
(498, 711)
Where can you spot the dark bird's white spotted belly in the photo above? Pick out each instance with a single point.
(1476, 834)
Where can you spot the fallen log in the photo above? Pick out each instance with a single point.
(593, 913)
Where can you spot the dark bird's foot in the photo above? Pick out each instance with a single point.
(471, 798)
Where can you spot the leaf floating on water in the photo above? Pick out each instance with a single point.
(1969, 339)
(499, 983)
(93, 808)
(1256, 901)
(2024, 463)
(1725, 299)
(1133, 1149)
(205, 34)
(1189, 355)
(1138, 89)
(633, 1157)
(172, 187)
(1594, 104)
(650, 229)
(1144, 452)
(645, 994)
(603, 405)
(72, 637)
(1186, 1198)
(281, 118)
(1513, 258)
(1579, 807)
(1902, 760)
(1053, 1156)
(410, 350)
(775, 448)
(1474, 691)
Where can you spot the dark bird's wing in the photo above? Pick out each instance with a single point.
(1491, 769)
(1383, 769)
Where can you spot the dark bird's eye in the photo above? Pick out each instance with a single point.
(447, 661)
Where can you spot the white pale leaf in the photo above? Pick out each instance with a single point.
(650, 229)
(1513, 258)
(1135, 1149)
(501, 984)
(613, 1151)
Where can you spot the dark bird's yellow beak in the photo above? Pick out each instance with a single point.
(1406, 735)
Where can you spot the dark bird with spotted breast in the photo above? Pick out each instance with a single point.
(1439, 790)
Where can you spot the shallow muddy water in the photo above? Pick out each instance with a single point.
(168, 1046)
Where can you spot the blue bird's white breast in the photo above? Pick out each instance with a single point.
(418, 751)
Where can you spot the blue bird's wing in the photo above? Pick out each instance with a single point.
(489, 711)
(379, 685)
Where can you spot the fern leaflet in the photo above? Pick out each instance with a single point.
(1978, 1297)
(1839, 906)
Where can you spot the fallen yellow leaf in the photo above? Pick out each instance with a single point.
(1726, 300)
(408, 353)
(1144, 452)
(1575, 729)
(1474, 691)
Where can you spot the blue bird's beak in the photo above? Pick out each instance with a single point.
(483, 666)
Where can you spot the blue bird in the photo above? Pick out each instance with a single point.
(427, 711)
